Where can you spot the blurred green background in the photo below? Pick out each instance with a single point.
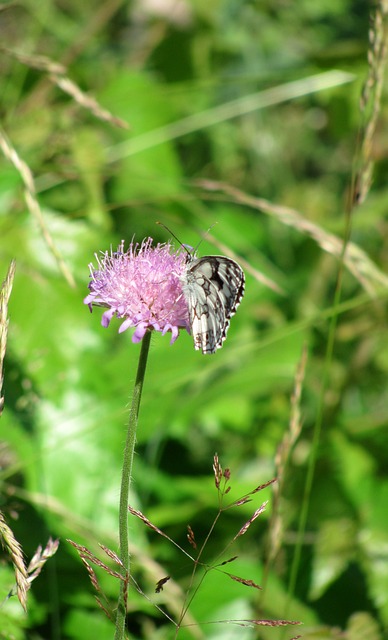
(263, 97)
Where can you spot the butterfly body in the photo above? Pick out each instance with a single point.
(213, 287)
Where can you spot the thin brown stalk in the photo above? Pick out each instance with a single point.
(244, 581)
(87, 556)
(86, 101)
(248, 523)
(57, 75)
(370, 104)
(5, 293)
(100, 17)
(148, 523)
(15, 552)
(40, 63)
(276, 527)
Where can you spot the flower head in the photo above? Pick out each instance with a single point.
(141, 285)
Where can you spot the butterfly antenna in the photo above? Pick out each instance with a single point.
(174, 236)
(204, 236)
(194, 251)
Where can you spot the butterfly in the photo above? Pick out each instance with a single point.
(213, 287)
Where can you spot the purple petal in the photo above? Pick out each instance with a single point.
(126, 325)
(174, 334)
(140, 332)
(107, 317)
(89, 299)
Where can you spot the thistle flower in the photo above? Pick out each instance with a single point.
(141, 285)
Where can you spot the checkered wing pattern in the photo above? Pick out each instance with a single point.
(213, 287)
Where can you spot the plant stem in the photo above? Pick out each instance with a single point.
(125, 485)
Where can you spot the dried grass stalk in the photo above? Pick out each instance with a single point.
(281, 460)
(57, 75)
(370, 104)
(86, 101)
(15, 552)
(5, 293)
(32, 203)
(40, 558)
(354, 258)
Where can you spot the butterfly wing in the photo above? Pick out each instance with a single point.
(213, 288)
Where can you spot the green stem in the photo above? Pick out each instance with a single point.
(125, 485)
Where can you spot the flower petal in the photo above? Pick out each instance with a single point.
(142, 286)
(107, 317)
(140, 332)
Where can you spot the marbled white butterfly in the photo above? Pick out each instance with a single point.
(213, 287)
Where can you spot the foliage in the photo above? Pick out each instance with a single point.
(244, 114)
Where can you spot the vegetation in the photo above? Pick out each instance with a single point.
(268, 119)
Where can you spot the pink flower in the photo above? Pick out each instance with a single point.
(143, 286)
